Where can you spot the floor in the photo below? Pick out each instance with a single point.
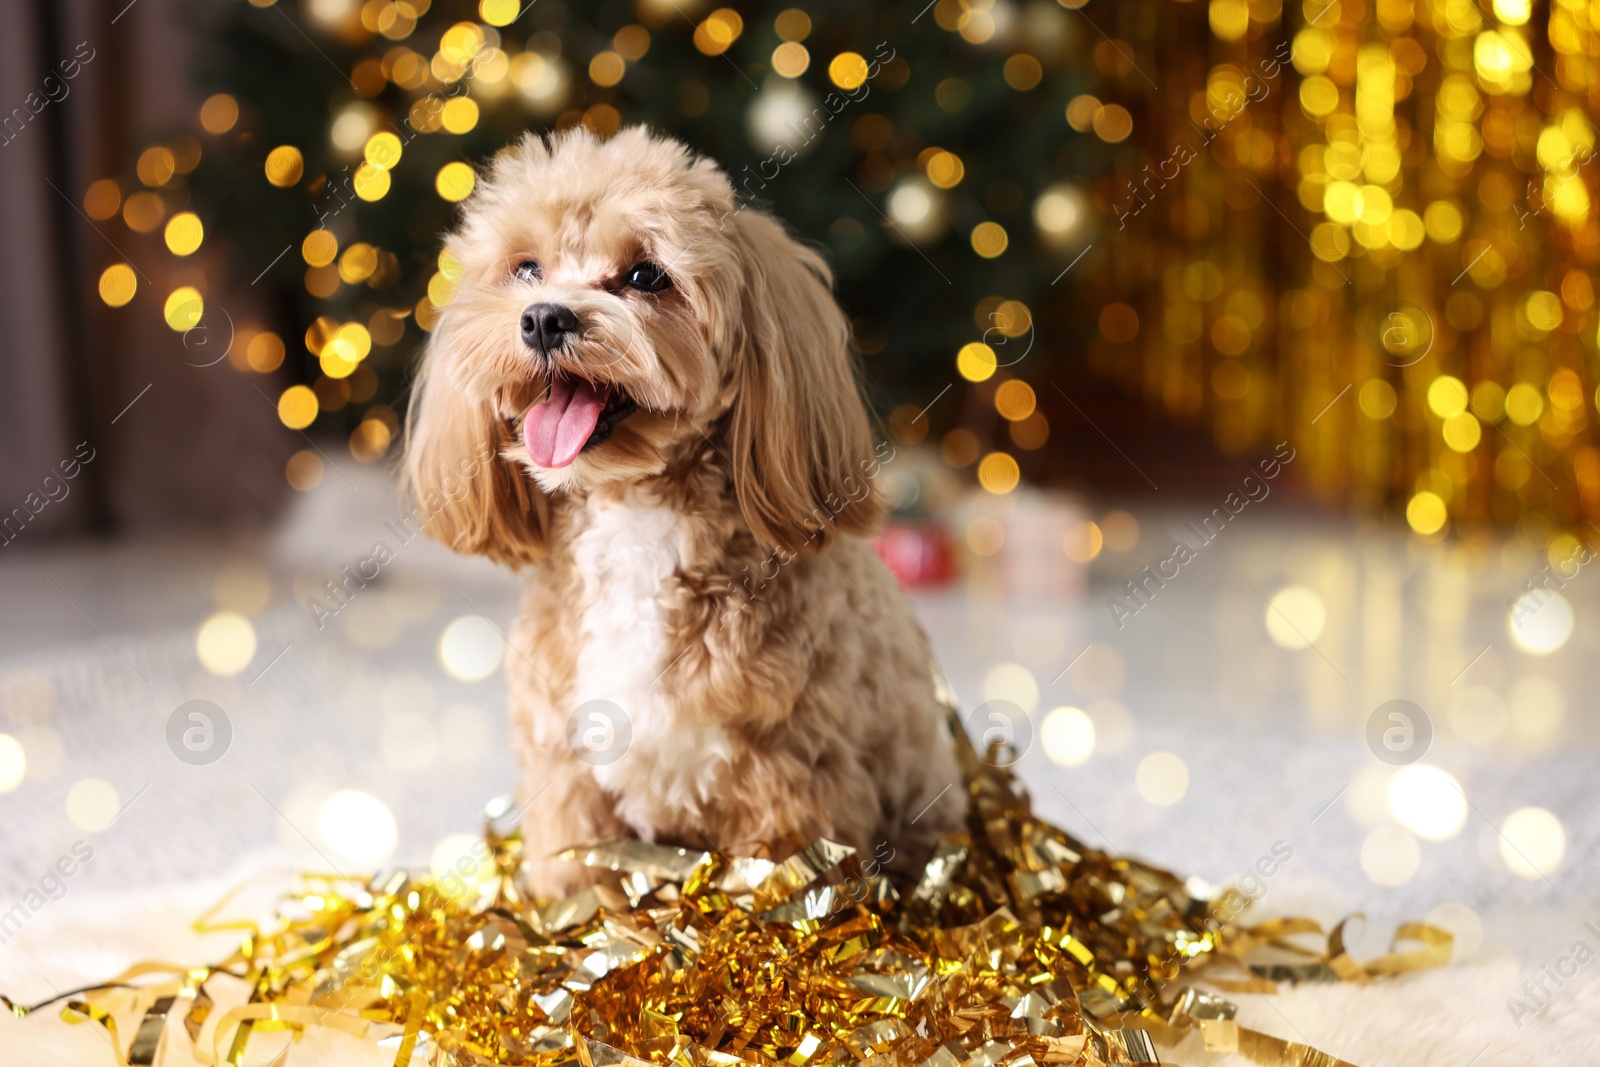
(1225, 723)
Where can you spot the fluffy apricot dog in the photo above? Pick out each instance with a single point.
(707, 653)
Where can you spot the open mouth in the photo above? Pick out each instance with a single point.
(577, 414)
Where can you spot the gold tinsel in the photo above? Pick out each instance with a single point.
(1018, 946)
(1369, 226)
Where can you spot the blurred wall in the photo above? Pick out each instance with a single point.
(152, 429)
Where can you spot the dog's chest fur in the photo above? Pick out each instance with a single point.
(628, 552)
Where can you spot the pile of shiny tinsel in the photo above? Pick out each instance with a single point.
(1018, 946)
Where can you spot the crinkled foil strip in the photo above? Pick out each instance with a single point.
(1019, 946)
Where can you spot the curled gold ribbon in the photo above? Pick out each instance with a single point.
(1017, 946)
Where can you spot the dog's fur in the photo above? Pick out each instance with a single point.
(702, 569)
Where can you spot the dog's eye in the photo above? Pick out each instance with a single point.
(648, 278)
(528, 270)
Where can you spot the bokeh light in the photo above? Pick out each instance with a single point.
(793, 24)
(156, 166)
(370, 440)
(371, 182)
(999, 473)
(606, 68)
(454, 181)
(460, 864)
(1014, 400)
(1295, 617)
(1012, 682)
(358, 827)
(1120, 529)
(848, 70)
(1524, 404)
(790, 59)
(976, 361)
(118, 283)
(383, 150)
(184, 309)
(1532, 843)
(319, 247)
(102, 199)
(1426, 513)
(1540, 622)
(631, 42)
(945, 169)
(357, 263)
(1367, 799)
(917, 208)
(719, 30)
(1068, 736)
(304, 470)
(1081, 110)
(1112, 123)
(225, 643)
(1162, 778)
(1083, 542)
(499, 12)
(1462, 432)
(92, 804)
(13, 763)
(1022, 72)
(184, 233)
(460, 114)
(219, 113)
(143, 212)
(352, 125)
(989, 239)
(284, 166)
(1059, 211)
(959, 448)
(470, 649)
(1447, 396)
(1428, 801)
(297, 407)
(1390, 856)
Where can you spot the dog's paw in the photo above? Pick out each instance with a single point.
(552, 879)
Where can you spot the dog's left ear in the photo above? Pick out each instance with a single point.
(800, 436)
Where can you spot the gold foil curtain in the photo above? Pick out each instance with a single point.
(1370, 228)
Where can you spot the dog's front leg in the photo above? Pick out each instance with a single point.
(562, 806)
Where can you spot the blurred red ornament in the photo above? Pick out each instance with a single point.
(920, 554)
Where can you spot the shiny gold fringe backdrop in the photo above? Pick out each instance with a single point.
(1369, 227)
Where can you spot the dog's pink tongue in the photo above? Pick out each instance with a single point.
(555, 431)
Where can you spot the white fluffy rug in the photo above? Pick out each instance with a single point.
(1458, 1016)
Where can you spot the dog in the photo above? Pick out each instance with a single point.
(708, 652)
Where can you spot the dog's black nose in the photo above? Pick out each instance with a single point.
(545, 326)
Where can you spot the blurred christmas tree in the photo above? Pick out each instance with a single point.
(929, 151)
(1399, 213)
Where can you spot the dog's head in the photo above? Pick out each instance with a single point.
(614, 307)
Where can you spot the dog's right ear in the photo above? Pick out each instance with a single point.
(463, 490)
